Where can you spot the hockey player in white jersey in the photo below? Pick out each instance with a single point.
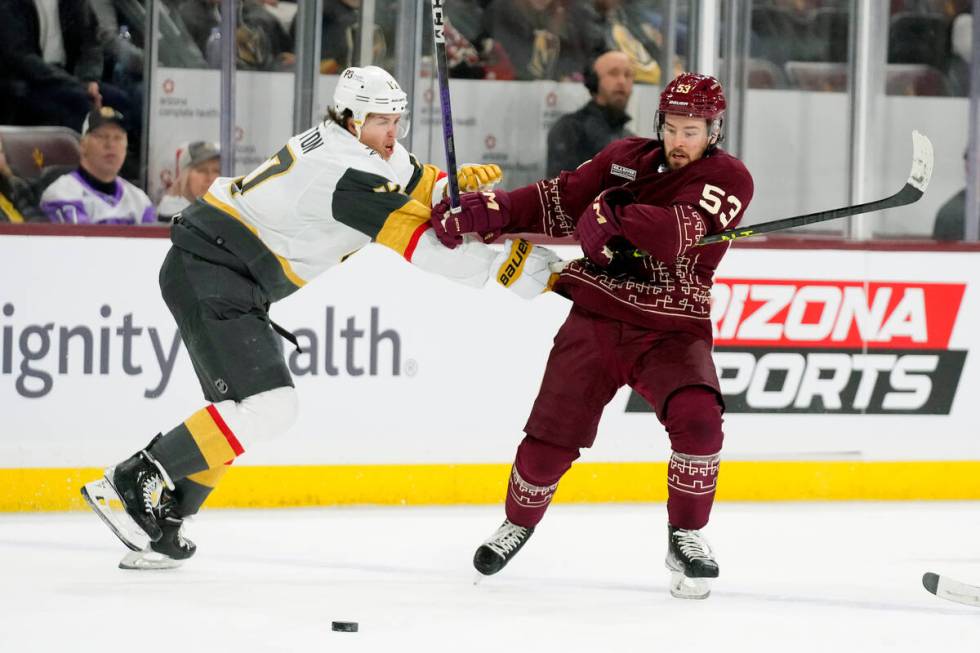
(250, 242)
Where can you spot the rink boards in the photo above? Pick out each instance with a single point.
(847, 375)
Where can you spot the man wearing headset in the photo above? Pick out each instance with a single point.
(253, 240)
(640, 313)
(578, 136)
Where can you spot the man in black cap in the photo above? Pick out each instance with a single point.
(94, 193)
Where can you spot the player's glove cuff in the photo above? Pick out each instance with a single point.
(486, 212)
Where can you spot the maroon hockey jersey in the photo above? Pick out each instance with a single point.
(659, 279)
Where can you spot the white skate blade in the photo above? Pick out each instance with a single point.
(103, 499)
(682, 587)
(148, 559)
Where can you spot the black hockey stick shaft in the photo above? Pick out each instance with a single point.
(907, 195)
(442, 73)
(922, 161)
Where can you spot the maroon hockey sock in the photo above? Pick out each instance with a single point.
(694, 424)
(534, 478)
(691, 484)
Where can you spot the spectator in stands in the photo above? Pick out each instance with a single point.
(198, 164)
(544, 39)
(119, 25)
(467, 18)
(200, 16)
(260, 41)
(470, 52)
(94, 193)
(51, 62)
(119, 29)
(284, 12)
(339, 37)
(17, 201)
(577, 137)
(462, 57)
(624, 29)
(961, 52)
(951, 217)
(175, 47)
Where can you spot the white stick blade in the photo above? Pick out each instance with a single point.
(922, 160)
(952, 590)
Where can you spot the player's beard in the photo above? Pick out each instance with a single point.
(676, 164)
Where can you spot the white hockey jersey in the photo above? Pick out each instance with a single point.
(71, 199)
(321, 198)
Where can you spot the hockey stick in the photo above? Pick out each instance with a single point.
(442, 70)
(922, 159)
(951, 590)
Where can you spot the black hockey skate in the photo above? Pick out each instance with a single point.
(503, 545)
(168, 552)
(137, 484)
(690, 558)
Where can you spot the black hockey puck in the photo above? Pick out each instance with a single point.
(344, 626)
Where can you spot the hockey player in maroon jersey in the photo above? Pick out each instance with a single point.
(640, 312)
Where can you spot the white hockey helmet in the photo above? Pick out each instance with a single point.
(370, 90)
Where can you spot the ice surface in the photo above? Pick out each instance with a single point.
(794, 577)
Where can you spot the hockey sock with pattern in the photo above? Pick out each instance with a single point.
(693, 422)
(202, 442)
(217, 433)
(534, 478)
(193, 491)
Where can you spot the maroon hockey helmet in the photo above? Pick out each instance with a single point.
(695, 95)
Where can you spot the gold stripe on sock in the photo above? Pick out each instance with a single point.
(209, 439)
(210, 477)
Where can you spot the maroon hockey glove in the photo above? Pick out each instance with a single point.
(599, 224)
(485, 213)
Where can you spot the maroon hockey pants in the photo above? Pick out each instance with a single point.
(693, 422)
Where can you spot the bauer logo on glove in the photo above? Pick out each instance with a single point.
(514, 265)
(525, 269)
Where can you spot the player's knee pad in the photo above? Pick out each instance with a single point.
(542, 462)
(694, 421)
(261, 416)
